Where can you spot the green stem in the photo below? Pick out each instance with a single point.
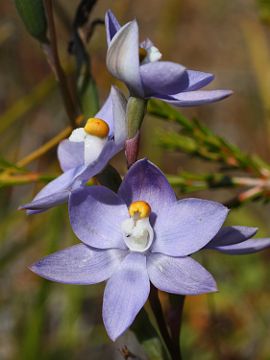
(174, 316)
(135, 112)
(136, 108)
(159, 316)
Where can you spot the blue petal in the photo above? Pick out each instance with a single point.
(112, 26)
(183, 275)
(123, 58)
(70, 154)
(198, 79)
(119, 117)
(246, 247)
(144, 181)
(192, 98)
(187, 226)
(56, 192)
(229, 235)
(163, 76)
(125, 294)
(79, 264)
(96, 214)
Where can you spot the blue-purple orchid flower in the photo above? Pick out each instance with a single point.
(84, 155)
(142, 235)
(138, 66)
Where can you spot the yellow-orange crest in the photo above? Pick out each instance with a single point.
(141, 209)
(97, 127)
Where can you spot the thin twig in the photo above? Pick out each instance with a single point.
(53, 59)
(8, 180)
(42, 150)
(245, 196)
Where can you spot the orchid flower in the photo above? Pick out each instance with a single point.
(85, 153)
(141, 235)
(138, 66)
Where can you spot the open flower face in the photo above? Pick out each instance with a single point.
(138, 66)
(85, 153)
(140, 235)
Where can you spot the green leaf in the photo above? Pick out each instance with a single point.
(165, 111)
(110, 178)
(198, 140)
(264, 10)
(148, 337)
(88, 95)
(33, 16)
(4, 164)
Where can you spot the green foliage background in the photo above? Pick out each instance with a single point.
(43, 320)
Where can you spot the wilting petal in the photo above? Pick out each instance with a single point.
(229, 235)
(163, 76)
(183, 276)
(54, 193)
(123, 57)
(79, 264)
(112, 26)
(246, 247)
(96, 214)
(125, 294)
(144, 181)
(192, 98)
(198, 79)
(187, 226)
(70, 154)
(119, 117)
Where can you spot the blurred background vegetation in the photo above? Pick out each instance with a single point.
(43, 320)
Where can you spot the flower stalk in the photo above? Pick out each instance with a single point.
(135, 112)
(156, 307)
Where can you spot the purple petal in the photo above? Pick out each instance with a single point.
(79, 264)
(183, 276)
(123, 57)
(198, 79)
(192, 98)
(187, 226)
(246, 247)
(54, 193)
(112, 26)
(163, 76)
(96, 214)
(230, 235)
(144, 181)
(125, 294)
(70, 154)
